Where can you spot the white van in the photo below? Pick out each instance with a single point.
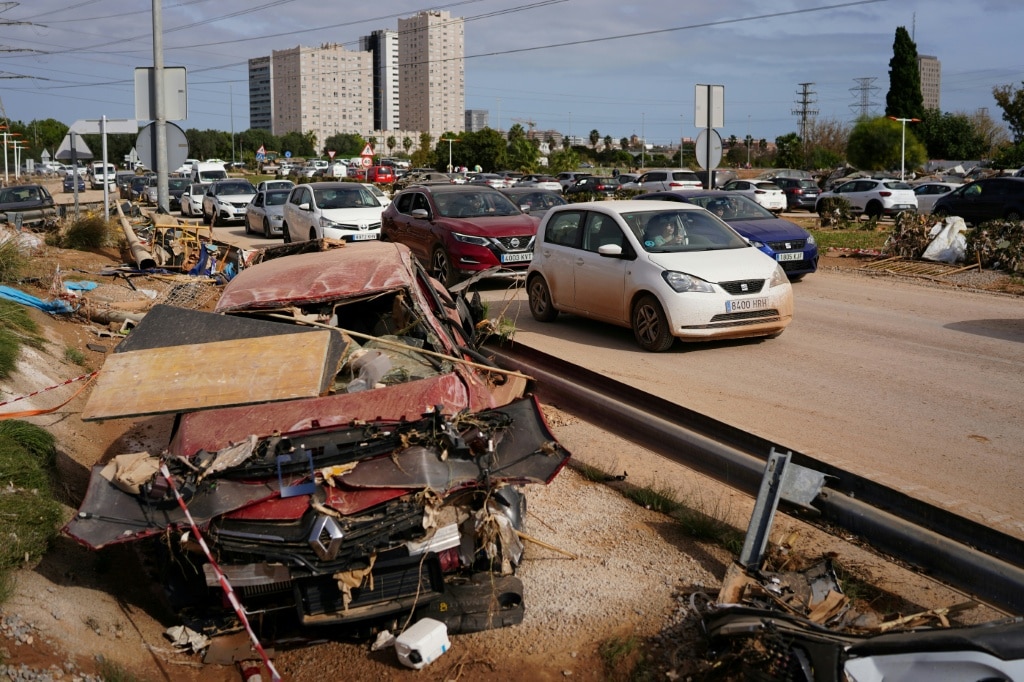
(100, 175)
(204, 172)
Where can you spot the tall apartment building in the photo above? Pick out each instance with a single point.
(432, 79)
(383, 45)
(476, 120)
(325, 90)
(931, 80)
(261, 101)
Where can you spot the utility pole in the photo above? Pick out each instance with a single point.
(805, 112)
(863, 90)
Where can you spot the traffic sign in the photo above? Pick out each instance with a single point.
(330, 154)
(701, 148)
(367, 150)
(367, 161)
(287, 155)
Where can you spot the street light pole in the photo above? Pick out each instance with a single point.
(903, 142)
(449, 140)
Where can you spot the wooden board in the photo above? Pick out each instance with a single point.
(208, 375)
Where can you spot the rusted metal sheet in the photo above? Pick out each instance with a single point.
(213, 430)
(218, 374)
(312, 278)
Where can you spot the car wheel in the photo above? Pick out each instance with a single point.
(266, 228)
(207, 220)
(873, 209)
(214, 220)
(247, 230)
(286, 236)
(441, 268)
(650, 326)
(312, 234)
(541, 307)
(940, 213)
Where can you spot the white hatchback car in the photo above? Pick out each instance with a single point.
(764, 192)
(665, 180)
(929, 192)
(664, 269)
(332, 210)
(873, 197)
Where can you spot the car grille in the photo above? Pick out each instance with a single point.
(519, 243)
(239, 204)
(743, 286)
(795, 265)
(792, 245)
(370, 532)
(747, 317)
(368, 226)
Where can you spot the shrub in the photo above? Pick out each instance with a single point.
(88, 232)
(16, 328)
(12, 262)
(909, 237)
(834, 212)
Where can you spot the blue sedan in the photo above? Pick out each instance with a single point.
(790, 245)
(69, 183)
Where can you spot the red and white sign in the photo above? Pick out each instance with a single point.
(367, 161)
(262, 150)
(330, 154)
(367, 150)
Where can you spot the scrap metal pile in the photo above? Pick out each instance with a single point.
(342, 454)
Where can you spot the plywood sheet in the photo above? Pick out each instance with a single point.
(203, 376)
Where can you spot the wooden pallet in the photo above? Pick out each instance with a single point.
(917, 268)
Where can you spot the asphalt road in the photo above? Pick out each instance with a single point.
(912, 386)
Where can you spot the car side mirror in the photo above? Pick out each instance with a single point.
(421, 213)
(304, 206)
(610, 251)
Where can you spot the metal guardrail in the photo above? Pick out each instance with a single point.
(966, 555)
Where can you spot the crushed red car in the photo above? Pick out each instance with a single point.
(397, 489)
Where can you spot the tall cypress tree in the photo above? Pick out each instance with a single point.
(904, 99)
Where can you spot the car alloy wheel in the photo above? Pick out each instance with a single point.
(540, 300)
(441, 267)
(874, 209)
(650, 326)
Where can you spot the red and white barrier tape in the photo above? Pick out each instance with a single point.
(90, 375)
(221, 578)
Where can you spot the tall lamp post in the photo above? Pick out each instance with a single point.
(903, 143)
(449, 140)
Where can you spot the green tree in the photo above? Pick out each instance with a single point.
(1011, 101)
(949, 136)
(345, 144)
(298, 144)
(877, 144)
(904, 98)
(407, 144)
(424, 156)
(564, 160)
(486, 148)
(391, 142)
(789, 151)
(608, 142)
(624, 143)
(516, 132)
(595, 137)
(521, 155)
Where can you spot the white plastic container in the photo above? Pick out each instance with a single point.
(422, 643)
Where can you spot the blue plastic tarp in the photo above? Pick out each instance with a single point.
(55, 306)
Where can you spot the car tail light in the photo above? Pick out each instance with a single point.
(760, 191)
(677, 185)
(885, 194)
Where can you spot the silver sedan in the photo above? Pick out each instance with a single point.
(264, 214)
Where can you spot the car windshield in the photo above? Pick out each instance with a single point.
(474, 205)
(733, 207)
(682, 230)
(345, 197)
(277, 197)
(177, 183)
(236, 188)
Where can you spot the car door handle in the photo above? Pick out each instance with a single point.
(579, 261)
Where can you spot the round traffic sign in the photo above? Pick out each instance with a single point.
(701, 149)
(367, 162)
(287, 155)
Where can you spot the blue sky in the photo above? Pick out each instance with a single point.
(571, 65)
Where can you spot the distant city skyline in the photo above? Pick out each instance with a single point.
(619, 68)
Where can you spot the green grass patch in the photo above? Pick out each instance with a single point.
(662, 499)
(848, 239)
(29, 516)
(623, 658)
(111, 671)
(12, 262)
(16, 328)
(75, 356)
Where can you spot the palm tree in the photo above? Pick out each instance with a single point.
(608, 142)
(595, 137)
(407, 144)
(391, 143)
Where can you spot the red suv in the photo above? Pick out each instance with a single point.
(384, 175)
